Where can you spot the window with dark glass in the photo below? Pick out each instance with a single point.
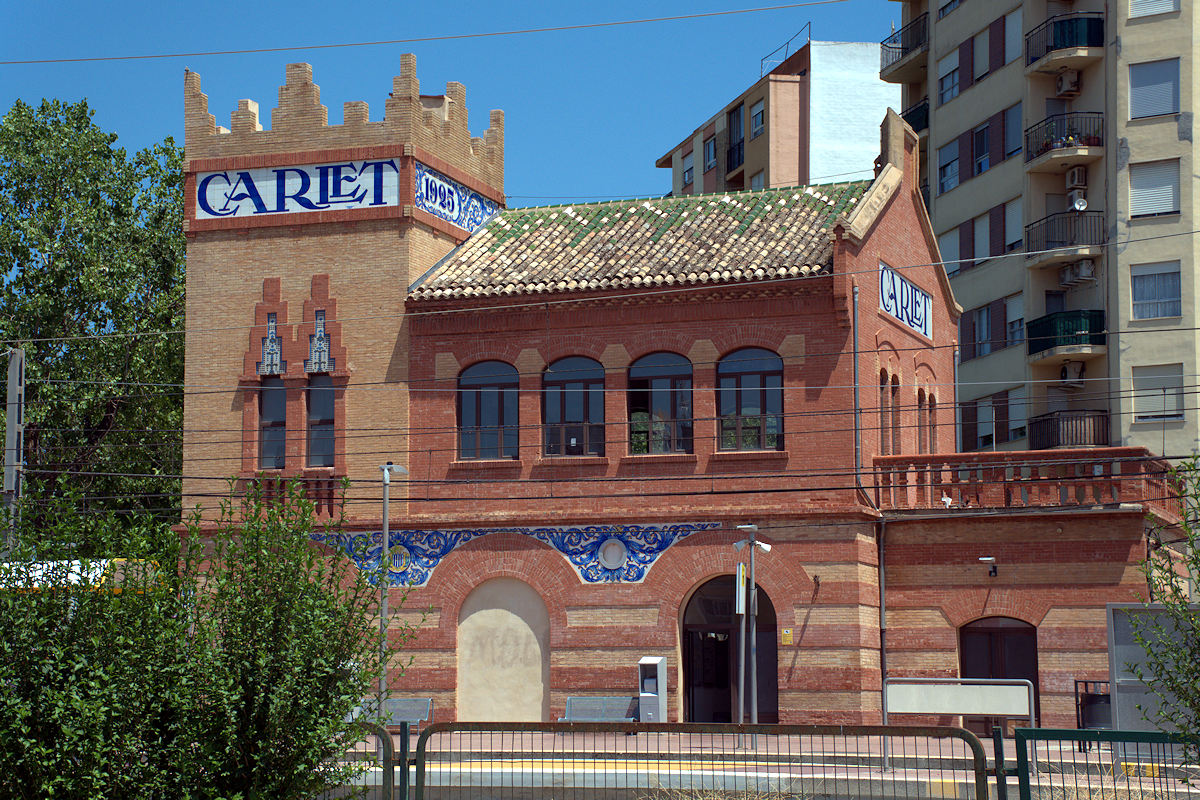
(272, 423)
(660, 404)
(750, 400)
(320, 421)
(487, 411)
(573, 407)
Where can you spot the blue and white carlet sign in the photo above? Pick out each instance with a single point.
(904, 301)
(450, 200)
(301, 189)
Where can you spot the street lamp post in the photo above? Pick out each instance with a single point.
(385, 571)
(751, 530)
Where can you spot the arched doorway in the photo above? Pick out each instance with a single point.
(503, 654)
(997, 647)
(710, 656)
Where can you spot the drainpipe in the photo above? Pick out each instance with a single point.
(881, 525)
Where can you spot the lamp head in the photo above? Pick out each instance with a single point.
(748, 527)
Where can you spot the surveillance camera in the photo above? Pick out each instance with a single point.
(766, 548)
(739, 545)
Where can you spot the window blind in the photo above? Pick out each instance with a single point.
(1014, 36)
(1154, 188)
(1144, 8)
(1154, 88)
(1014, 223)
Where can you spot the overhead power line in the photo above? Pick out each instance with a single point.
(419, 39)
(594, 295)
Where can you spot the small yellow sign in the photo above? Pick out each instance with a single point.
(786, 636)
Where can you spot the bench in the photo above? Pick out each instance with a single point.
(601, 709)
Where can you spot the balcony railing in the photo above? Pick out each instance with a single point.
(1074, 428)
(1062, 32)
(912, 37)
(1076, 129)
(1026, 479)
(735, 155)
(1067, 229)
(1065, 329)
(324, 491)
(917, 115)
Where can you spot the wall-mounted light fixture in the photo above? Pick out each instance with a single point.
(991, 561)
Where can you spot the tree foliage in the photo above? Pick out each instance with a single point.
(231, 677)
(91, 269)
(1170, 635)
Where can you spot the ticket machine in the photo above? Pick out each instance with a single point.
(652, 689)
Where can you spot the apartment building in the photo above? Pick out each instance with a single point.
(1058, 153)
(811, 119)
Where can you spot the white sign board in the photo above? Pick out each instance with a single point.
(905, 302)
(297, 189)
(992, 700)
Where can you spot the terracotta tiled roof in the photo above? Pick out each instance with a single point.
(713, 239)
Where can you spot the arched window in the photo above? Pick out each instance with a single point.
(487, 411)
(885, 438)
(896, 415)
(750, 400)
(932, 403)
(660, 404)
(922, 423)
(573, 407)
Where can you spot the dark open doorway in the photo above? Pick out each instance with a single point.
(998, 647)
(710, 656)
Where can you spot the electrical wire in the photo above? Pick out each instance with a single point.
(590, 298)
(420, 39)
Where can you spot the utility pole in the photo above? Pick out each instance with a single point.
(385, 583)
(14, 444)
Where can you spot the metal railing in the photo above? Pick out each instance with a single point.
(917, 115)
(375, 758)
(324, 491)
(1064, 31)
(912, 37)
(1126, 764)
(686, 761)
(1065, 329)
(735, 155)
(1071, 428)
(1065, 229)
(1073, 129)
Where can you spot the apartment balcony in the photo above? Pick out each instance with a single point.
(902, 55)
(917, 116)
(949, 483)
(1072, 428)
(1066, 336)
(1062, 238)
(1064, 140)
(735, 156)
(1065, 41)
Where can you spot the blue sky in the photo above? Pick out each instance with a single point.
(586, 112)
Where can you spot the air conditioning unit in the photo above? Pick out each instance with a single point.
(1077, 178)
(1077, 199)
(1083, 271)
(1087, 269)
(1067, 84)
(1068, 275)
(1070, 377)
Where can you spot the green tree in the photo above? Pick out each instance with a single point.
(1170, 636)
(231, 677)
(92, 261)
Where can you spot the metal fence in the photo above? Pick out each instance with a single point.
(1120, 765)
(376, 758)
(642, 761)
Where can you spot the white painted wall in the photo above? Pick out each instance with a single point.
(847, 104)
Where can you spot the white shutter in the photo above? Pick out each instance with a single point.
(1144, 8)
(1154, 188)
(1014, 222)
(1014, 36)
(981, 54)
(1018, 412)
(983, 239)
(1154, 88)
(948, 244)
(948, 64)
(1158, 391)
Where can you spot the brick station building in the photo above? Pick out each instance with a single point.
(590, 399)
